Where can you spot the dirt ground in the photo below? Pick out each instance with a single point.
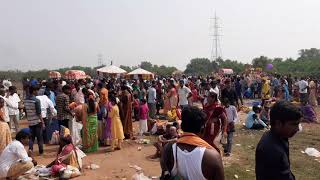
(116, 165)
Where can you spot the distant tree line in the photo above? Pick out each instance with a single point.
(307, 64)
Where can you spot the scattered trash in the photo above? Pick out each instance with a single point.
(93, 166)
(247, 170)
(140, 176)
(312, 152)
(238, 144)
(303, 152)
(137, 168)
(236, 176)
(155, 177)
(139, 148)
(143, 141)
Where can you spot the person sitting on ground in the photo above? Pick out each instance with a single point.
(265, 114)
(191, 157)
(67, 155)
(171, 135)
(272, 153)
(253, 121)
(15, 160)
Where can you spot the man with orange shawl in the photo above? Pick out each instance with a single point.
(191, 157)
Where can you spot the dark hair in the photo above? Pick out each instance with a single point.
(284, 111)
(12, 88)
(213, 95)
(22, 135)
(226, 101)
(135, 96)
(33, 89)
(256, 109)
(193, 119)
(66, 139)
(66, 87)
(91, 105)
(143, 101)
(113, 99)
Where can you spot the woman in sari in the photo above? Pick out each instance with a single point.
(67, 155)
(126, 112)
(5, 133)
(216, 120)
(90, 124)
(313, 94)
(116, 125)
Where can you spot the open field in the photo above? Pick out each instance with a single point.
(115, 165)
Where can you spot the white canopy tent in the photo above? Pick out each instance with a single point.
(142, 73)
(110, 70)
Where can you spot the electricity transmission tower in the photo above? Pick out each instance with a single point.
(100, 61)
(215, 47)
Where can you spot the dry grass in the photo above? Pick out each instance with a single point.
(242, 162)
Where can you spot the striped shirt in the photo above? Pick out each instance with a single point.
(63, 110)
(33, 110)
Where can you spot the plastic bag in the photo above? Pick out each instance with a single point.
(55, 138)
(140, 176)
(76, 131)
(70, 172)
(312, 152)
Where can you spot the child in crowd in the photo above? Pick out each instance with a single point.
(136, 106)
(170, 136)
(116, 125)
(232, 117)
(253, 119)
(143, 117)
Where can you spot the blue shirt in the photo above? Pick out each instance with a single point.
(251, 121)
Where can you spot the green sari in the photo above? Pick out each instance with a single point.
(90, 135)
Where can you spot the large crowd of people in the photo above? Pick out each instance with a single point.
(203, 112)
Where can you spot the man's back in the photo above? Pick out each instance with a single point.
(272, 158)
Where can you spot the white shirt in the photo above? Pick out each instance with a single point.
(152, 95)
(6, 106)
(14, 100)
(14, 152)
(215, 90)
(45, 104)
(302, 86)
(183, 95)
(232, 114)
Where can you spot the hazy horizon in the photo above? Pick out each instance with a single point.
(39, 34)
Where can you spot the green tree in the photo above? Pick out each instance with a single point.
(201, 66)
(126, 68)
(261, 62)
(146, 65)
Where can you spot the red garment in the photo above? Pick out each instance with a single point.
(195, 96)
(143, 111)
(214, 112)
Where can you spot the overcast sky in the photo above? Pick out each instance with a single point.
(36, 34)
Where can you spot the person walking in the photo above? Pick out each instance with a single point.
(14, 112)
(34, 117)
(272, 152)
(152, 103)
(64, 114)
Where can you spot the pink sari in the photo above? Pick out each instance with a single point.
(66, 157)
